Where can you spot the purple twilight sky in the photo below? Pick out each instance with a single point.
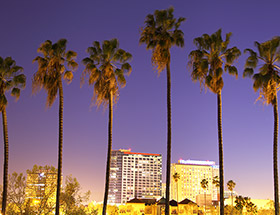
(140, 115)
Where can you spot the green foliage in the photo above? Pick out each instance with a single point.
(230, 185)
(245, 202)
(11, 79)
(216, 181)
(160, 33)
(52, 68)
(267, 79)
(204, 184)
(106, 68)
(211, 59)
(16, 193)
(71, 198)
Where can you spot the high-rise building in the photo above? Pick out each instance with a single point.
(41, 184)
(191, 173)
(134, 175)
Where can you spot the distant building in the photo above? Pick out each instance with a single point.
(41, 183)
(134, 175)
(191, 173)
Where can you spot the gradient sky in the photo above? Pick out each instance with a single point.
(140, 115)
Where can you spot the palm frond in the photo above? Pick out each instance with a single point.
(248, 72)
(16, 93)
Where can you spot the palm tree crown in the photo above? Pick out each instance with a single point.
(51, 68)
(204, 184)
(231, 184)
(176, 176)
(268, 79)
(160, 34)
(212, 58)
(216, 181)
(106, 68)
(10, 79)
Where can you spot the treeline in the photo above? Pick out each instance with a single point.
(36, 193)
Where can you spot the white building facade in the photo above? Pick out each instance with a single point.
(134, 175)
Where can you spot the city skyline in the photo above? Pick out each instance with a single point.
(140, 114)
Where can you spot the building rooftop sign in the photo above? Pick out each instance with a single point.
(197, 162)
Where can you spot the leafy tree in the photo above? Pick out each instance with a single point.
(16, 193)
(51, 71)
(230, 185)
(208, 63)
(160, 33)
(72, 198)
(241, 202)
(106, 67)
(11, 80)
(267, 82)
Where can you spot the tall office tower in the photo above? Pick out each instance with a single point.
(134, 175)
(191, 173)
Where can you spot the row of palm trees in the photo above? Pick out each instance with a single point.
(106, 68)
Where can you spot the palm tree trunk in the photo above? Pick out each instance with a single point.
(6, 159)
(110, 129)
(275, 160)
(177, 196)
(231, 193)
(168, 160)
(221, 156)
(60, 145)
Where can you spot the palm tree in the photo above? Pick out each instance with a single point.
(208, 63)
(267, 81)
(230, 185)
(161, 32)
(11, 80)
(106, 67)
(176, 177)
(216, 183)
(204, 186)
(51, 70)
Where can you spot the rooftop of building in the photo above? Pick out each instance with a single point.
(128, 151)
(197, 163)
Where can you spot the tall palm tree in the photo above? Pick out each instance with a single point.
(51, 71)
(161, 32)
(204, 186)
(208, 62)
(231, 185)
(106, 68)
(267, 82)
(11, 79)
(176, 178)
